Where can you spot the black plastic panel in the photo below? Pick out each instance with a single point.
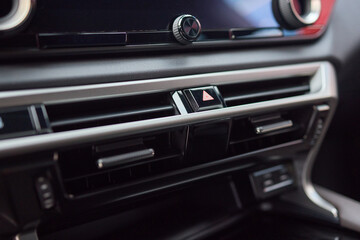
(140, 15)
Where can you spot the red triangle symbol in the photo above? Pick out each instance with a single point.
(207, 97)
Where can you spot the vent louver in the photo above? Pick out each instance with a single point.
(244, 93)
(78, 115)
(81, 174)
(245, 139)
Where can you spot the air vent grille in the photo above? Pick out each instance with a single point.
(85, 171)
(245, 139)
(77, 115)
(81, 174)
(244, 93)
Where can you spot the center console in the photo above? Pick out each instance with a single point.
(93, 151)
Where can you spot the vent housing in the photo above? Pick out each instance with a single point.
(244, 138)
(251, 92)
(85, 114)
(176, 148)
(81, 175)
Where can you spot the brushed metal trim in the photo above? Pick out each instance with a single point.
(20, 12)
(349, 209)
(312, 14)
(96, 91)
(274, 127)
(322, 88)
(309, 189)
(179, 103)
(278, 186)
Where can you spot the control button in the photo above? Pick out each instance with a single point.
(273, 180)
(186, 28)
(203, 98)
(207, 97)
(267, 175)
(284, 177)
(293, 15)
(15, 123)
(45, 193)
(268, 183)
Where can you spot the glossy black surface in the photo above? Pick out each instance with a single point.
(140, 15)
(202, 99)
(81, 40)
(16, 122)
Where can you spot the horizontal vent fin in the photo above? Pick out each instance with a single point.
(170, 151)
(81, 175)
(70, 116)
(244, 93)
(245, 139)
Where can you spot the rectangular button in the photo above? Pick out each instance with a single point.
(15, 123)
(205, 98)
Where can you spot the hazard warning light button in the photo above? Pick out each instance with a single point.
(205, 98)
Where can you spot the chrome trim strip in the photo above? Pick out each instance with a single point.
(323, 88)
(323, 108)
(312, 11)
(95, 91)
(17, 16)
(330, 75)
(268, 170)
(274, 127)
(179, 103)
(278, 186)
(1, 123)
(35, 118)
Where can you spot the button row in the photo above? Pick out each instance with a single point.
(272, 180)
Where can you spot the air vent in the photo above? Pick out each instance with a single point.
(267, 130)
(77, 115)
(82, 172)
(244, 93)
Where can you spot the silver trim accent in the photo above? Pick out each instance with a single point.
(1, 123)
(31, 235)
(179, 103)
(273, 127)
(35, 118)
(278, 186)
(96, 91)
(20, 12)
(322, 88)
(307, 184)
(121, 159)
(178, 30)
(323, 108)
(312, 11)
(100, 164)
(268, 170)
(294, 19)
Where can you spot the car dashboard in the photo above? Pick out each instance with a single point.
(173, 120)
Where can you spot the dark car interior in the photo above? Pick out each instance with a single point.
(183, 119)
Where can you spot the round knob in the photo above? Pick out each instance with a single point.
(186, 28)
(294, 14)
(14, 14)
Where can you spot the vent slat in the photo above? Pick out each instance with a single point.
(153, 110)
(80, 174)
(265, 94)
(162, 158)
(244, 138)
(245, 93)
(94, 113)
